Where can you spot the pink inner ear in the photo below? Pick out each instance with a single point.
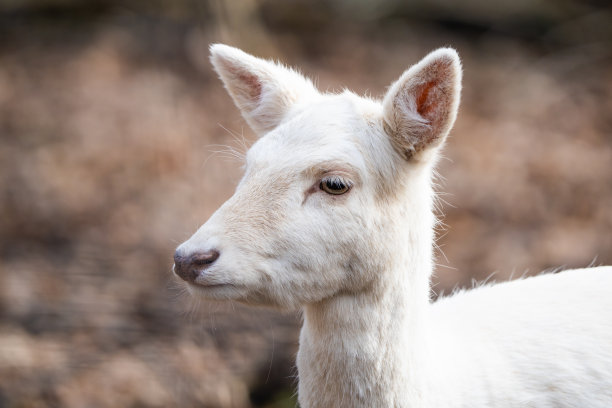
(251, 83)
(421, 105)
(243, 84)
(425, 104)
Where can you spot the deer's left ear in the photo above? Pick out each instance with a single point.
(262, 90)
(420, 107)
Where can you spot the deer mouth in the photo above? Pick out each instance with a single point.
(215, 290)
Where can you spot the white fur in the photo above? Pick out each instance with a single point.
(359, 264)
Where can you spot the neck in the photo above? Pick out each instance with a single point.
(368, 349)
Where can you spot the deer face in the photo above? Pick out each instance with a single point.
(312, 214)
(300, 223)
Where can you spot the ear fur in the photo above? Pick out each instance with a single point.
(262, 90)
(421, 106)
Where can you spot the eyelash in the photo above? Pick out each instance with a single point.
(335, 185)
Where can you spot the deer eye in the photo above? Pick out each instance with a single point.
(334, 185)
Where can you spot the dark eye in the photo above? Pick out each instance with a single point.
(334, 185)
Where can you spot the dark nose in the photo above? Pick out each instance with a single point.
(189, 267)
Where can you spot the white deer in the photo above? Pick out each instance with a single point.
(334, 215)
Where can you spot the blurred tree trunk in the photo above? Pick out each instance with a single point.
(238, 23)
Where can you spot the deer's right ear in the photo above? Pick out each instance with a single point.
(421, 106)
(262, 90)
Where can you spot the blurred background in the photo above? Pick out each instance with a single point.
(112, 126)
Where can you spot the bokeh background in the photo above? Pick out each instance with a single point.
(112, 135)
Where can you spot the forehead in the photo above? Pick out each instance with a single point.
(331, 128)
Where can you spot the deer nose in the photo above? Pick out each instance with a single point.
(189, 267)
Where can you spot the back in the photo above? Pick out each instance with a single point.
(548, 336)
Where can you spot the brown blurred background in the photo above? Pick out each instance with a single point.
(111, 126)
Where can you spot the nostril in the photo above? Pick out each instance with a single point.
(189, 267)
(205, 258)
